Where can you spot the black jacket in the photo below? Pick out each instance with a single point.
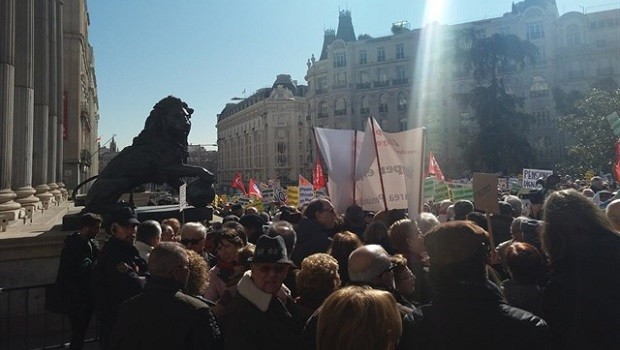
(77, 260)
(118, 276)
(312, 238)
(470, 316)
(163, 317)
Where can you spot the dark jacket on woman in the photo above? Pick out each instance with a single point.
(474, 316)
(582, 300)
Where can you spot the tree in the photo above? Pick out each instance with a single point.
(593, 147)
(500, 141)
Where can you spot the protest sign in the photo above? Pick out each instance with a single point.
(429, 189)
(485, 193)
(459, 192)
(292, 196)
(306, 190)
(442, 191)
(182, 197)
(530, 176)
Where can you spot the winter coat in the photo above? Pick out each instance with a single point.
(474, 316)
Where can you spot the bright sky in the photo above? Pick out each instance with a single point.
(209, 51)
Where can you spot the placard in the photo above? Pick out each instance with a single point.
(485, 193)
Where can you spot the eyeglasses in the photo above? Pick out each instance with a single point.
(391, 268)
(278, 269)
(188, 241)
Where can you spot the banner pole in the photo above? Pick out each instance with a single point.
(421, 179)
(374, 138)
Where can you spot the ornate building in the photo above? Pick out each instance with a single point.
(266, 135)
(405, 80)
(47, 96)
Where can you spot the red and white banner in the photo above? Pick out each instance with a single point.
(318, 177)
(306, 190)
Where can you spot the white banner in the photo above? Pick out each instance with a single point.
(391, 181)
(182, 197)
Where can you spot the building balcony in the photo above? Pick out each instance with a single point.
(400, 81)
(381, 83)
(365, 85)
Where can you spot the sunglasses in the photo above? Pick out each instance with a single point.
(278, 269)
(188, 241)
(391, 268)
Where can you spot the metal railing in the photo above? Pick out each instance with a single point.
(26, 324)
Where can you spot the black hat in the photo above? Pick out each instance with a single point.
(252, 220)
(124, 216)
(289, 214)
(270, 250)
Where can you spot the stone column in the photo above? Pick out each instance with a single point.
(41, 102)
(53, 102)
(60, 98)
(24, 103)
(8, 206)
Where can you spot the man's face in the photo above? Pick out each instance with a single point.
(193, 240)
(167, 233)
(227, 251)
(268, 277)
(92, 231)
(326, 216)
(126, 233)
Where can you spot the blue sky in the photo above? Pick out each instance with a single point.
(209, 51)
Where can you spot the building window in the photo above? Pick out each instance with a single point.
(573, 35)
(340, 59)
(535, 31)
(383, 104)
(380, 54)
(363, 57)
(323, 110)
(400, 51)
(401, 76)
(340, 107)
(402, 101)
(365, 109)
(364, 81)
(340, 80)
(321, 84)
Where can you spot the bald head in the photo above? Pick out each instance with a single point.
(371, 263)
(613, 213)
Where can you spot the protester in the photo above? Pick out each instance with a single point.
(343, 244)
(314, 230)
(377, 233)
(468, 311)
(462, 208)
(525, 265)
(193, 236)
(316, 280)
(148, 235)
(228, 244)
(369, 265)
(285, 230)
(253, 225)
(167, 233)
(407, 240)
(359, 318)
(581, 300)
(163, 317)
(77, 259)
(354, 220)
(174, 223)
(404, 279)
(119, 273)
(426, 221)
(613, 213)
(262, 315)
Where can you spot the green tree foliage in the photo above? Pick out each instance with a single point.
(587, 125)
(500, 143)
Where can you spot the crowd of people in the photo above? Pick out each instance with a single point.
(544, 276)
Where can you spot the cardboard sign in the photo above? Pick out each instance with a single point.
(182, 197)
(485, 193)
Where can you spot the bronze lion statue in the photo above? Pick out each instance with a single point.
(157, 155)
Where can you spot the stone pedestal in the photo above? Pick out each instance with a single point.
(55, 192)
(63, 191)
(44, 195)
(8, 207)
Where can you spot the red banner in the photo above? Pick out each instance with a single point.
(433, 167)
(318, 178)
(238, 183)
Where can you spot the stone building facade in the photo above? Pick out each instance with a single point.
(38, 91)
(266, 136)
(406, 79)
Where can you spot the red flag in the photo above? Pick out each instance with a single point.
(318, 178)
(616, 169)
(238, 183)
(254, 189)
(433, 167)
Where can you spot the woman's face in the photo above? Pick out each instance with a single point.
(227, 251)
(405, 281)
